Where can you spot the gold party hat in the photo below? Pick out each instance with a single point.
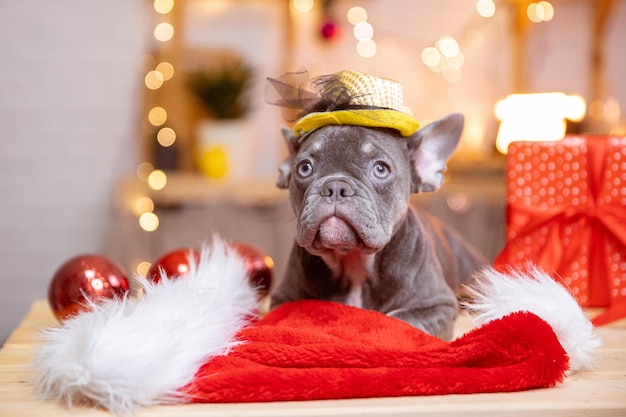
(365, 101)
(344, 98)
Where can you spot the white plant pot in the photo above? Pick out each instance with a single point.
(225, 149)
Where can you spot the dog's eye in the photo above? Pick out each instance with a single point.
(381, 170)
(304, 168)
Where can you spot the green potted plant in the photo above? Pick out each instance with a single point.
(224, 138)
(221, 89)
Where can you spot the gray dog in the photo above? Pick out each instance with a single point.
(358, 241)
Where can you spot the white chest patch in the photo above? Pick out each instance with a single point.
(354, 268)
(355, 297)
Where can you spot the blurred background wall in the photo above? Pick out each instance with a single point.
(68, 111)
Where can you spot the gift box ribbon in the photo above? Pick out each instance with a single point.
(601, 221)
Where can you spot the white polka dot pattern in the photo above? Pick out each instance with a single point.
(566, 203)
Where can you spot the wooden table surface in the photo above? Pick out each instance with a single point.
(598, 393)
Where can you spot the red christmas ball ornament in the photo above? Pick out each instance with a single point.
(175, 263)
(82, 278)
(330, 30)
(259, 266)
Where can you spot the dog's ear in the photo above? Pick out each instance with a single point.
(429, 150)
(284, 170)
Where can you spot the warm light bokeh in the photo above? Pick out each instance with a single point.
(536, 117)
(153, 80)
(163, 6)
(142, 268)
(301, 6)
(149, 222)
(445, 58)
(166, 136)
(486, 8)
(448, 46)
(166, 70)
(157, 180)
(366, 48)
(542, 11)
(144, 205)
(157, 116)
(356, 15)
(143, 170)
(363, 31)
(164, 31)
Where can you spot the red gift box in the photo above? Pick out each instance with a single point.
(566, 213)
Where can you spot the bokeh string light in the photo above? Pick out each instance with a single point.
(542, 11)
(301, 6)
(486, 8)
(156, 75)
(157, 180)
(164, 31)
(166, 70)
(445, 56)
(157, 116)
(166, 137)
(363, 32)
(163, 6)
(144, 205)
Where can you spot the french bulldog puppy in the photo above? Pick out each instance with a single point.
(358, 241)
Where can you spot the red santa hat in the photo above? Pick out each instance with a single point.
(197, 339)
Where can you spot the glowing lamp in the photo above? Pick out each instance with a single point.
(536, 117)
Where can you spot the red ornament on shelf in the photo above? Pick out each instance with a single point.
(259, 266)
(82, 278)
(329, 30)
(175, 263)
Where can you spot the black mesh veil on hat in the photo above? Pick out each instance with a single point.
(299, 95)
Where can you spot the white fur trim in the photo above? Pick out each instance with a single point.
(498, 294)
(130, 353)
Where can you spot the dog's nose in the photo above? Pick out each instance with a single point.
(337, 190)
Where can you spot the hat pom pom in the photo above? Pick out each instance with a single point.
(497, 294)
